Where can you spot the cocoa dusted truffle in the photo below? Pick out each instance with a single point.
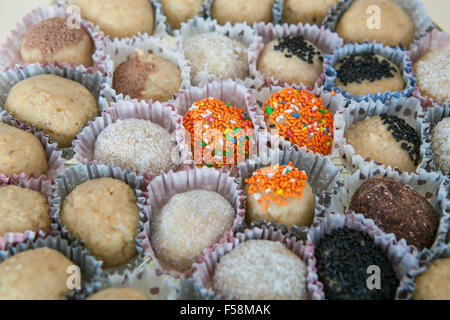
(397, 209)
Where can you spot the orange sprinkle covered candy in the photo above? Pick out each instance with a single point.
(276, 184)
(301, 118)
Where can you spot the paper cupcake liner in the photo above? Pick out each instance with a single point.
(163, 187)
(240, 32)
(402, 258)
(408, 287)
(161, 114)
(54, 159)
(415, 9)
(430, 41)
(408, 109)
(334, 103)
(10, 52)
(325, 40)
(90, 267)
(79, 174)
(117, 51)
(322, 174)
(199, 286)
(429, 185)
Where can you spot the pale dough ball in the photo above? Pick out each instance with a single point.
(189, 223)
(224, 58)
(440, 145)
(261, 270)
(22, 209)
(297, 211)
(39, 274)
(59, 106)
(288, 64)
(118, 294)
(434, 283)
(52, 40)
(235, 11)
(136, 144)
(103, 213)
(306, 11)
(178, 11)
(396, 27)
(118, 18)
(21, 152)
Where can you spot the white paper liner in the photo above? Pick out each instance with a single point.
(74, 176)
(401, 257)
(10, 52)
(240, 32)
(334, 103)
(416, 10)
(430, 41)
(90, 267)
(325, 40)
(163, 115)
(117, 51)
(429, 185)
(200, 285)
(163, 187)
(408, 109)
(54, 160)
(395, 55)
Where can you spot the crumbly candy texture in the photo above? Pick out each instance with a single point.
(118, 294)
(189, 223)
(306, 11)
(39, 274)
(52, 40)
(21, 152)
(397, 209)
(235, 11)
(178, 11)
(261, 270)
(396, 27)
(59, 106)
(440, 145)
(103, 213)
(432, 71)
(118, 18)
(434, 283)
(22, 209)
(136, 144)
(294, 60)
(147, 77)
(214, 56)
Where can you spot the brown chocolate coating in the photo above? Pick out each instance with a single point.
(397, 209)
(130, 76)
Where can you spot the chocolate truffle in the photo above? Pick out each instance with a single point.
(294, 60)
(235, 11)
(178, 11)
(397, 209)
(343, 258)
(386, 139)
(189, 223)
(434, 283)
(52, 40)
(306, 11)
(358, 25)
(147, 77)
(368, 73)
(118, 294)
(261, 270)
(214, 56)
(440, 145)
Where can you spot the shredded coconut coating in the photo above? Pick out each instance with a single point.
(214, 56)
(261, 270)
(440, 144)
(433, 71)
(189, 223)
(136, 144)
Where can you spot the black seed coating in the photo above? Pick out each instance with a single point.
(342, 261)
(297, 46)
(364, 66)
(403, 132)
